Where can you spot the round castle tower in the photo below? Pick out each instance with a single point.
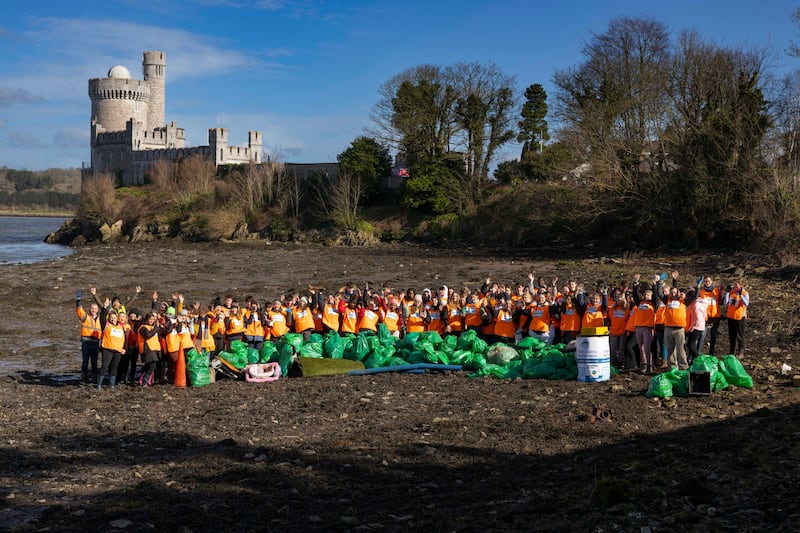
(118, 98)
(154, 66)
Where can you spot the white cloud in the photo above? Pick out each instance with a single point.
(71, 138)
(24, 140)
(10, 96)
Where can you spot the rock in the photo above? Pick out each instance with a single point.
(120, 523)
(774, 350)
(241, 232)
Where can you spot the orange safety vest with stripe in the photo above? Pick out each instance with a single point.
(350, 320)
(437, 323)
(675, 314)
(113, 338)
(630, 324)
(504, 324)
(737, 308)
(235, 325)
(254, 327)
(151, 343)
(472, 315)
(415, 323)
(90, 326)
(540, 318)
(593, 317)
(618, 317)
(712, 296)
(279, 327)
(454, 318)
(645, 315)
(392, 320)
(202, 331)
(660, 310)
(303, 319)
(330, 317)
(570, 319)
(368, 321)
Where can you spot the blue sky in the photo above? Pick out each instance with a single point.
(305, 73)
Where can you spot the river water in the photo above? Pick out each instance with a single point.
(22, 239)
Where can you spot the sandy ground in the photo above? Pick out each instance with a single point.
(389, 452)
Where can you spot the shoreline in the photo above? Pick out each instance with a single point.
(42, 214)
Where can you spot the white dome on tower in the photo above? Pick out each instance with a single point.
(118, 71)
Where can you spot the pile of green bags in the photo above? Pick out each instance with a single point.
(531, 358)
(722, 372)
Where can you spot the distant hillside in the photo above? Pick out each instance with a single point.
(55, 190)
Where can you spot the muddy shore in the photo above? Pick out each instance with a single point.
(388, 452)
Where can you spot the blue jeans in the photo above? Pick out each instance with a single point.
(90, 351)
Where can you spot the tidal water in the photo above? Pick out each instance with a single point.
(22, 240)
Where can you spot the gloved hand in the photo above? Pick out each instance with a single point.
(78, 294)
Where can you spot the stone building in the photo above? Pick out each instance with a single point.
(129, 131)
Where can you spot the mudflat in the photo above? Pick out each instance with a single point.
(388, 452)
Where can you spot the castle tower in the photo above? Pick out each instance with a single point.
(154, 66)
(254, 143)
(218, 142)
(117, 99)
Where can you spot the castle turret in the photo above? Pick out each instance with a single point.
(218, 142)
(154, 66)
(117, 99)
(254, 144)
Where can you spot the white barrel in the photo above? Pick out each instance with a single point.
(593, 356)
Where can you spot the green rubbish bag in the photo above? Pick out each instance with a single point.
(316, 337)
(379, 357)
(269, 352)
(451, 341)
(460, 357)
(680, 381)
(466, 339)
(710, 364)
(285, 358)
(660, 387)
(385, 336)
(198, 366)
(734, 372)
(359, 349)
(239, 347)
(432, 337)
(237, 359)
(253, 356)
(333, 345)
(311, 349)
(501, 354)
(295, 339)
(409, 342)
(531, 343)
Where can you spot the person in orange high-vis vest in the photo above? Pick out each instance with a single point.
(126, 370)
(254, 330)
(330, 313)
(645, 323)
(618, 317)
(234, 325)
(369, 317)
(472, 314)
(541, 318)
(112, 344)
(417, 316)
(675, 328)
(438, 317)
(453, 315)
(570, 318)
(631, 357)
(713, 298)
(151, 348)
(594, 312)
(302, 319)
(392, 316)
(90, 336)
(738, 300)
(503, 319)
(350, 316)
(277, 321)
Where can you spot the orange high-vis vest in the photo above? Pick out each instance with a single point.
(437, 323)
(368, 321)
(472, 315)
(113, 338)
(303, 319)
(618, 317)
(254, 326)
(712, 296)
(415, 323)
(593, 317)
(660, 311)
(737, 309)
(645, 315)
(392, 320)
(330, 317)
(504, 324)
(630, 324)
(675, 314)
(235, 325)
(570, 319)
(350, 320)
(185, 334)
(90, 327)
(173, 341)
(540, 318)
(454, 318)
(279, 327)
(151, 343)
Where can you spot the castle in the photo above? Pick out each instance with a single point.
(129, 132)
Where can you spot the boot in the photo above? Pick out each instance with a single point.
(84, 377)
(100, 381)
(112, 380)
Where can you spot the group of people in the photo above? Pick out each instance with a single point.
(651, 325)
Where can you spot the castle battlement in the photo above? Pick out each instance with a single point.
(128, 131)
